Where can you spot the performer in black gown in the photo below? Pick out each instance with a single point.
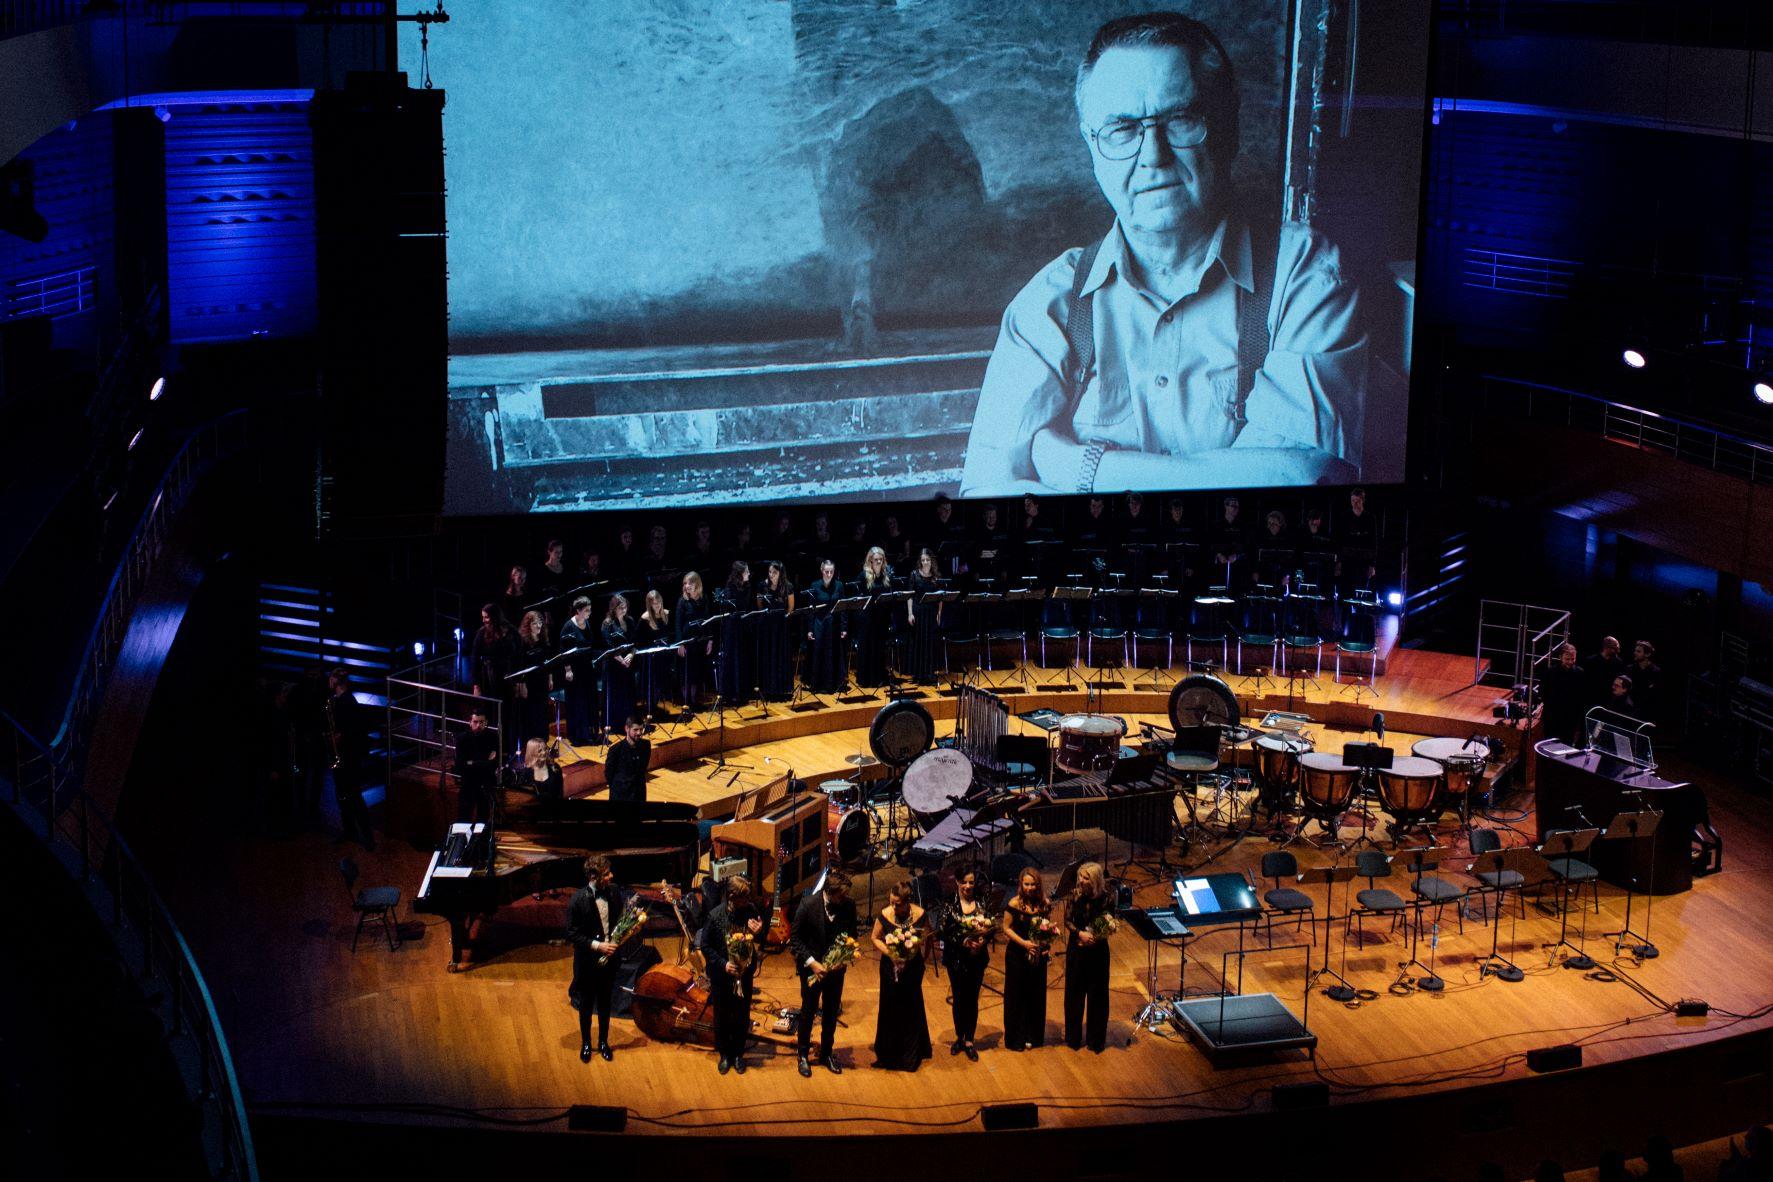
(775, 663)
(965, 953)
(655, 677)
(618, 671)
(583, 722)
(490, 657)
(541, 774)
(590, 919)
(925, 620)
(736, 681)
(877, 621)
(730, 984)
(902, 1030)
(1086, 960)
(824, 668)
(535, 709)
(694, 645)
(1025, 965)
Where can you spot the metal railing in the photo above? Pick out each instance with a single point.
(1670, 435)
(47, 778)
(423, 711)
(1515, 639)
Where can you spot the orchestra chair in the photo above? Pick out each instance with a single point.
(960, 638)
(1207, 624)
(1373, 865)
(1498, 882)
(1285, 900)
(1359, 652)
(1259, 630)
(1107, 630)
(1431, 890)
(377, 901)
(1572, 872)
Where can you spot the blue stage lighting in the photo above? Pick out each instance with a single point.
(1634, 359)
(1395, 598)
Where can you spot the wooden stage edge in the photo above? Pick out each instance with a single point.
(419, 1064)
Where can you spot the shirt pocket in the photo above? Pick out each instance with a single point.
(1211, 415)
(1107, 401)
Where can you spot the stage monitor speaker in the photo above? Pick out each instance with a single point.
(998, 1117)
(1294, 1096)
(1560, 1058)
(596, 1118)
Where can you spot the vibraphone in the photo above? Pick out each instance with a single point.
(1139, 811)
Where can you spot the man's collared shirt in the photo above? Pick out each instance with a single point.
(1165, 374)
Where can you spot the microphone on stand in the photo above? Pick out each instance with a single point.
(1379, 726)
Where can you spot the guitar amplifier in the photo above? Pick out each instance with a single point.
(722, 869)
(787, 840)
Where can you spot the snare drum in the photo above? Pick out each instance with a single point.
(841, 795)
(1326, 784)
(846, 835)
(1089, 743)
(1410, 790)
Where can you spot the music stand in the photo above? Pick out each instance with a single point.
(1369, 758)
(1330, 876)
(1068, 595)
(1566, 844)
(1163, 597)
(1636, 826)
(801, 650)
(649, 672)
(850, 605)
(1024, 596)
(1157, 927)
(1533, 870)
(1419, 862)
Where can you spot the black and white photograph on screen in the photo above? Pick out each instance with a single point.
(761, 252)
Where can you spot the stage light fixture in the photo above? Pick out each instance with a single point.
(1394, 598)
(418, 649)
(136, 438)
(1634, 359)
(157, 389)
(459, 635)
(1764, 393)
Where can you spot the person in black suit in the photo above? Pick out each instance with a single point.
(477, 766)
(590, 919)
(730, 983)
(624, 768)
(820, 919)
(349, 732)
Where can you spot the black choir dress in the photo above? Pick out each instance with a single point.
(874, 634)
(618, 679)
(966, 966)
(535, 711)
(654, 675)
(1024, 985)
(824, 670)
(1086, 975)
(736, 681)
(775, 665)
(920, 655)
(693, 665)
(902, 1032)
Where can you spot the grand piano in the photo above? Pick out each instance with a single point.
(542, 847)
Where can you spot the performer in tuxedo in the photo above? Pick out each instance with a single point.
(966, 952)
(590, 919)
(348, 731)
(729, 982)
(477, 769)
(824, 669)
(581, 675)
(820, 920)
(1086, 960)
(625, 766)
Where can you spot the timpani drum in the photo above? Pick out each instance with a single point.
(1463, 761)
(1277, 767)
(1089, 744)
(1326, 784)
(1410, 790)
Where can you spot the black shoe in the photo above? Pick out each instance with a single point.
(603, 1049)
(725, 1065)
(957, 1048)
(833, 1066)
(972, 1054)
(806, 1069)
(739, 1066)
(585, 1053)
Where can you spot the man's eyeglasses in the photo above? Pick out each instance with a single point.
(1121, 139)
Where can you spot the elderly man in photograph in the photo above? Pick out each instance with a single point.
(1194, 346)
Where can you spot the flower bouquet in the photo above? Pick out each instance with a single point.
(631, 922)
(1043, 932)
(1104, 925)
(902, 945)
(976, 928)
(842, 951)
(741, 949)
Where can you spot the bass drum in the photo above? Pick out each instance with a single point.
(1203, 700)
(846, 835)
(901, 732)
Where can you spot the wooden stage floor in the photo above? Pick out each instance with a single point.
(314, 1025)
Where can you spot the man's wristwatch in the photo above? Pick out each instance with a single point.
(1092, 459)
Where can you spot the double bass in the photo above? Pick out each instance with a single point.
(671, 1002)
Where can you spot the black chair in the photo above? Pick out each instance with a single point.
(1285, 900)
(1571, 871)
(1499, 882)
(378, 901)
(1430, 890)
(1375, 900)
